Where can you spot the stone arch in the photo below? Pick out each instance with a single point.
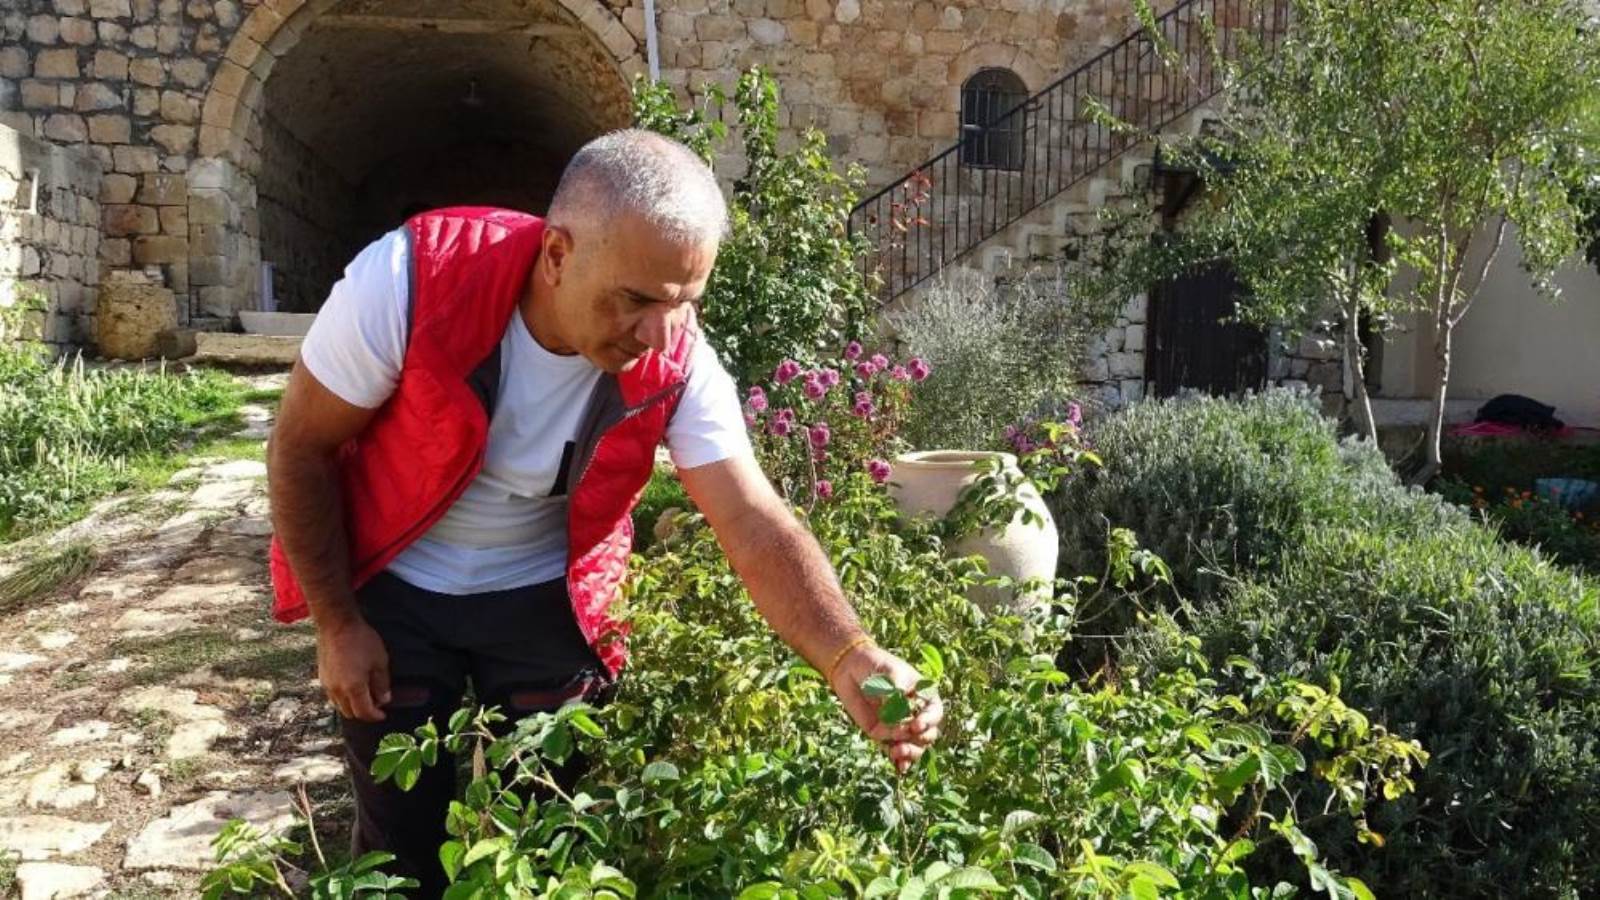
(992, 56)
(227, 231)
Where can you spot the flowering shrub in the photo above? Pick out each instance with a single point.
(725, 768)
(812, 427)
(1568, 536)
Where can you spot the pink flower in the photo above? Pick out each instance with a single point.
(786, 371)
(757, 400)
(824, 489)
(830, 377)
(749, 420)
(1074, 414)
(865, 371)
(819, 454)
(899, 373)
(786, 414)
(879, 470)
(781, 426)
(920, 369)
(863, 405)
(820, 435)
(852, 351)
(815, 389)
(880, 362)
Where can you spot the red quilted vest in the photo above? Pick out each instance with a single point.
(469, 268)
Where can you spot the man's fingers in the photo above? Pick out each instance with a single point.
(378, 683)
(361, 705)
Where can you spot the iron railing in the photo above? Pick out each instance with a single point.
(944, 208)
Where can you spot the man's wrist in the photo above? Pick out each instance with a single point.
(845, 651)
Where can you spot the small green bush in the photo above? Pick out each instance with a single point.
(1307, 556)
(998, 358)
(1216, 487)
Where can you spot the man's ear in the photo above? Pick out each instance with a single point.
(554, 253)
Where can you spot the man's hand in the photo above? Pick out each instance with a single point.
(906, 741)
(353, 667)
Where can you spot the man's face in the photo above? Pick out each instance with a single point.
(623, 289)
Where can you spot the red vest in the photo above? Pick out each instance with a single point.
(469, 268)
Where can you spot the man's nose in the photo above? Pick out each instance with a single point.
(657, 327)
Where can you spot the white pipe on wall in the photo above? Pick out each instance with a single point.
(652, 54)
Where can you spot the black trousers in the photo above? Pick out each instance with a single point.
(521, 650)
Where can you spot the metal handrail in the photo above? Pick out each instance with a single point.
(943, 209)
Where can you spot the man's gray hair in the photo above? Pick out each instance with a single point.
(641, 172)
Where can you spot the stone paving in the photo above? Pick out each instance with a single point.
(149, 702)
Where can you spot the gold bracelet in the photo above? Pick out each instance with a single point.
(860, 640)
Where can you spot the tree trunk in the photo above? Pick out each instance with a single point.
(1355, 365)
(1434, 461)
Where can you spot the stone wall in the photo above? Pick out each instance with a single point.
(151, 89)
(302, 220)
(49, 235)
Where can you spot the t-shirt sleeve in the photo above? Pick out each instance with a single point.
(357, 343)
(708, 425)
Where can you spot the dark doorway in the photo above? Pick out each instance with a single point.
(1194, 345)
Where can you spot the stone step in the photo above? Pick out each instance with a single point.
(246, 349)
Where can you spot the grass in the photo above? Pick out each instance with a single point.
(39, 577)
(166, 657)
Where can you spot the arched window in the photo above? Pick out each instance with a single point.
(987, 140)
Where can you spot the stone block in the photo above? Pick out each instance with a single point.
(13, 62)
(43, 29)
(209, 208)
(144, 10)
(169, 39)
(174, 220)
(847, 11)
(161, 189)
(719, 28)
(116, 251)
(56, 63)
(179, 108)
(189, 72)
(80, 32)
(110, 65)
(96, 96)
(1132, 390)
(136, 160)
(143, 37)
(766, 32)
(1096, 369)
(176, 139)
(40, 94)
(146, 101)
(1125, 365)
(110, 9)
(148, 70)
(208, 240)
(130, 318)
(1137, 308)
(111, 33)
(121, 220)
(109, 128)
(1133, 338)
(229, 79)
(227, 13)
(159, 249)
(66, 127)
(247, 349)
(70, 7)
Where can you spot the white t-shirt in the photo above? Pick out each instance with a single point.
(506, 530)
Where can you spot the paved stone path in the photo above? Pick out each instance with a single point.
(149, 702)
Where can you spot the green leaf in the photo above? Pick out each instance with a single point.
(932, 662)
(764, 890)
(585, 723)
(1123, 775)
(1019, 820)
(1033, 856)
(659, 771)
(1155, 873)
(484, 849)
(881, 886)
(894, 710)
(450, 856)
(878, 687)
(971, 878)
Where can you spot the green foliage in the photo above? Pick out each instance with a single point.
(786, 284)
(1306, 556)
(70, 433)
(252, 862)
(1492, 125)
(724, 767)
(998, 357)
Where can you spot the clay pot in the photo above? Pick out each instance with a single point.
(928, 483)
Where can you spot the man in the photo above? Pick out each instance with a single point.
(460, 446)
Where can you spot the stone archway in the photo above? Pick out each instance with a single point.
(329, 120)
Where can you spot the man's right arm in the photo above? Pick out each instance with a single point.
(308, 518)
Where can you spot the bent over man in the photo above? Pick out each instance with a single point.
(453, 469)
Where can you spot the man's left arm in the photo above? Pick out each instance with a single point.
(796, 590)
